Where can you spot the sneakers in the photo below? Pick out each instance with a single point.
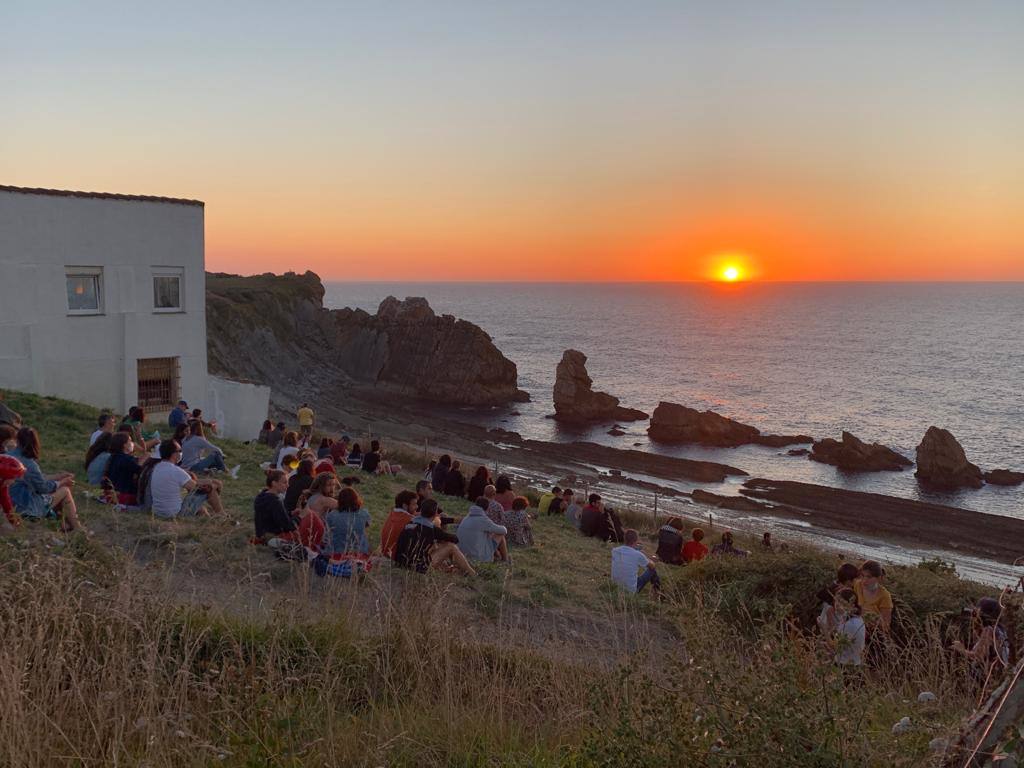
(234, 471)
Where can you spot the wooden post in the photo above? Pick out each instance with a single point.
(426, 454)
(655, 508)
(711, 523)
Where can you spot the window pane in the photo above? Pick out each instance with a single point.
(83, 292)
(167, 292)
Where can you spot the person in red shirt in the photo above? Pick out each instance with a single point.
(10, 470)
(403, 513)
(694, 549)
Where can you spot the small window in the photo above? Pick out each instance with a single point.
(167, 290)
(158, 382)
(84, 285)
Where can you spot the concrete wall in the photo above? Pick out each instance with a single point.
(93, 358)
(239, 409)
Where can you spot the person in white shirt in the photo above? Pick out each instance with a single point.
(105, 424)
(850, 632)
(627, 560)
(166, 482)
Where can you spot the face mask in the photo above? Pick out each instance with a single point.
(871, 587)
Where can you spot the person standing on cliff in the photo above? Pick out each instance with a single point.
(306, 417)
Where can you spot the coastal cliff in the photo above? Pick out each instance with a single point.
(274, 329)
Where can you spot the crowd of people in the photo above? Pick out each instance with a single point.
(310, 509)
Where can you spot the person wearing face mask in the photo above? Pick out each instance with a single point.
(874, 599)
(269, 515)
(123, 469)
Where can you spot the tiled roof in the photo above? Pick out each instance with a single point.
(100, 195)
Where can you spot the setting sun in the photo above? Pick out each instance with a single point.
(731, 274)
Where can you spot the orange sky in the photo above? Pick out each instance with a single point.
(591, 141)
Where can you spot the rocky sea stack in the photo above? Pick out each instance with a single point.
(274, 329)
(942, 463)
(575, 400)
(853, 454)
(673, 423)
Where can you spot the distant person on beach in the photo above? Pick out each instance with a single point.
(628, 560)
(826, 596)
(480, 539)
(850, 632)
(505, 495)
(727, 548)
(423, 545)
(455, 482)
(178, 415)
(670, 542)
(439, 475)
(105, 426)
(270, 518)
(305, 417)
(874, 599)
(405, 509)
(544, 503)
(480, 480)
(517, 521)
(265, 431)
(695, 549)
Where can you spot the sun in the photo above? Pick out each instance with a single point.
(730, 273)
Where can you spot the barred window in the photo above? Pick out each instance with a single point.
(158, 382)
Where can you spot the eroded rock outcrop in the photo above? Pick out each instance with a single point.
(576, 402)
(853, 454)
(942, 463)
(1004, 477)
(674, 423)
(274, 329)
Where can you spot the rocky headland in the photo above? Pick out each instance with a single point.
(673, 423)
(853, 454)
(942, 463)
(575, 400)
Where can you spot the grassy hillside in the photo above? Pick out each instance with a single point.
(177, 643)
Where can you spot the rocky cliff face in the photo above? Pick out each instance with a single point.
(273, 329)
(576, 402)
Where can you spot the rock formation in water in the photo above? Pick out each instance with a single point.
(942, 463)
(673, 423)
(1004, 477)
(575, 400)
(273, 329)
(853, 454)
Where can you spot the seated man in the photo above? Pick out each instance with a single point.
(480, 539)
(269, 516)
(406, 505)
(165, 482)
(727, 547)
(598, 522)
(694, 549)
(544, 503)
(627, 559)
(570, 508)
(670, 542)
(424, 545)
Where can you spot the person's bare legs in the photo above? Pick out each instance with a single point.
(502, 551)
(449, 551)
(213, 498)
(63, 502)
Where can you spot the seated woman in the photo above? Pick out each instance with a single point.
(123, 469)
(990, 650)
(96, 458)
(136, 419)
(480, 480)
(324, 451)
(270, 519)
(505, 495)
(198, 454)
(347, 526)
(670, 542)
(289, 447)
(264, 432)
(355, 456)
(297, 483)
(455, 482)
(36, 496)
(517, 521)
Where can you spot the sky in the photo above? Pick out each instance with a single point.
(540, 140)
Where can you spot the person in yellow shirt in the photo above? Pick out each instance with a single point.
(305, 414)
(545, 500)
(874, 599)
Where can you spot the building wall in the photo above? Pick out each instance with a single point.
(93, 358)
(238, 408)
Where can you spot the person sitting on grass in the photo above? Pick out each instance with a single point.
(289, 448)
(8, 438)
(439, 473)
(164, 482)
(136, 419)
(874, 599)
(36, 496)
(269, 516)
(123, 469)
(850, 632)
(195, 446)
(480, 539)
(275, 437)
(406, 506)
(345, 537)
(670, 542)
(480, 480)
(991, 648)
(505, 495)
(265, 431)
(424, 491)
(312, 526)
(455, 482)
(570, 508)
(695, 549)
(355, 456)
(423, 545)
(339, 451)
(374, 463)
(105, 426)
(494, 509)
(178, 415)
(544, 503)
(598, 522)
(96, 459)
(726, 547)
(297, 483)
(627, 560)
(10, 470)
(826, 596)
(324, 451)
(517, 521)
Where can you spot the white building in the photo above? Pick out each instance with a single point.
(103, 301)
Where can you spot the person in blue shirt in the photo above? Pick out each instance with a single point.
(36, 496)
(347, 526)
(178, 415)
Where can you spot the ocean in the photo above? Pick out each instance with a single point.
(882, 360)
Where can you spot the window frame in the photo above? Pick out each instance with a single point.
(179, 273)
(96, 273)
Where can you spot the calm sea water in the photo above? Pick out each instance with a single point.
(884, 361)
